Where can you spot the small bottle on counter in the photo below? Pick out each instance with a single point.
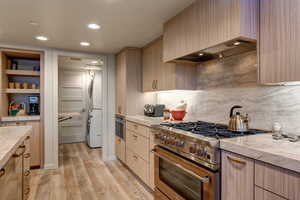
(277, 134)
(167, 114)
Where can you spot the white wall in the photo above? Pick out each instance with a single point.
(51, 101)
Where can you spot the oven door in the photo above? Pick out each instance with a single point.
(181, 179)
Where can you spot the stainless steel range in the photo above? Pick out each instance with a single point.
(187, 159)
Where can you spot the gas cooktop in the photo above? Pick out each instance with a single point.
(213, 130)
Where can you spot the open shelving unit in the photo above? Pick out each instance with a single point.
(22, 91)
(29, 73)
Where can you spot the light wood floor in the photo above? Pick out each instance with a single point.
(84, 176)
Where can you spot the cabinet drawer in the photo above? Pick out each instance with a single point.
(280, 181)
(138, 144)
(261, 194)
(139, 129)
(237, 177)
(137, 165)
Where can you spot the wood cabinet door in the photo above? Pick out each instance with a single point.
(121, 83)
(120, 149)
(279, 41)
(35, 144)
(149, 69)
(237, 177)
(11, 180)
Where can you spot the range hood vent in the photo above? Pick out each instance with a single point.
(224, 50)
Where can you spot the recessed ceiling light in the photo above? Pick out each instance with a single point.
(42, 38)
(201, 54)
(86, 44)
(236, 43)
(94, 26)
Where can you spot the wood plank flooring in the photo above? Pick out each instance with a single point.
(83, 175)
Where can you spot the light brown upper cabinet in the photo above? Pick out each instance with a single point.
(207, 23)
(129, 82)
(159, 76)
(279, 44)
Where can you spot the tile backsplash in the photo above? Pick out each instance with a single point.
(233, 81)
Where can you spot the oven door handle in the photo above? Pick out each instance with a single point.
(204, 179)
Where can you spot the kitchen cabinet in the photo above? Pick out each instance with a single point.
(278, 52)
(261, 194)
(237, 177)
(159, 76)
(207, 23)
(151, 160)
(35, 141)
(26, 168)
(120, 149)
(279, 181)
(129, 82)
(138, 151)
(11, 177)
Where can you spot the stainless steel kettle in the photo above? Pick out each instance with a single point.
(238, 122)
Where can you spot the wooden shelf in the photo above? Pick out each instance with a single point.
(22, 73)
(22, 91)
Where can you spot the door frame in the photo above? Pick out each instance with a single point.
(106, 123)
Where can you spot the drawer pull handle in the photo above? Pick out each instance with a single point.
(28, 137)
(27, 155)
(135, 137)
(27, 173)
(2, 172)
(236, 160)
(27, 191)
(21, 153)
(135, 157)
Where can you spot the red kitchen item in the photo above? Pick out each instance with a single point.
(178, 115)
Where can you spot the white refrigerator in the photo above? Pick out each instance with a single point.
(95, 114)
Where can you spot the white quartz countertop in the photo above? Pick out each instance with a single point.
(10, 139)
(281, 153)
(20, 118)
(144, 120)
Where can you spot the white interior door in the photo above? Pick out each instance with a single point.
(73, 98)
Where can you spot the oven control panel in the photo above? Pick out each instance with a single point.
(197, 150)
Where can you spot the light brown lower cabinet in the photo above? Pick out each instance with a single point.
(120, 149)
(139, 158)
(11, 177)
(35, 141)
(261, 194)
(237, 177)
(26, 168)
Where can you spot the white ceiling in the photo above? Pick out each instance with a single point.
(124, 22)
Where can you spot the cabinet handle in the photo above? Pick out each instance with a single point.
(2, 172)
(153, 84)
(156, 83)
(27, 155)
(236, 160)
(27, 173)
(28, 137)
(135, 157)
(22, 152)
(135, 137)
(27, 191)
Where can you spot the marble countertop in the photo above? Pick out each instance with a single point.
(144, 120)
(20, 118)
(10, 139)
(281, 153)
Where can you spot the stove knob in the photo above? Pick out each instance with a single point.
(205, 152)
(179, 143)
(193, 149)
(172, 140)
(200, 151)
